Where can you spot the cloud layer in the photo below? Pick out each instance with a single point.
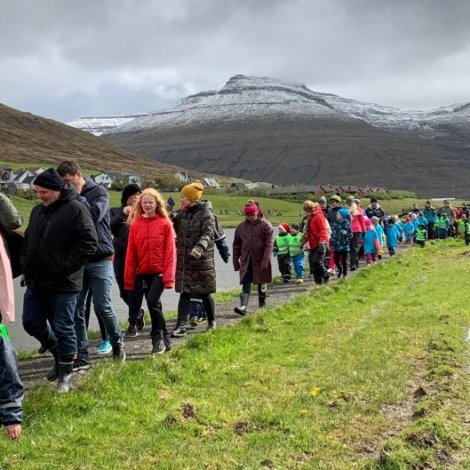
(69, 59)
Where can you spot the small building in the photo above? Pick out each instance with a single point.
(238, 187)
(210, 183)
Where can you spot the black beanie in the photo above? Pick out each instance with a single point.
(128, 191)
(49, 179)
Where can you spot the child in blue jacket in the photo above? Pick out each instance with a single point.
(392, 234)
(371, 243)
(341, 236)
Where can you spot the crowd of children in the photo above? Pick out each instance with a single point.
(355, 233)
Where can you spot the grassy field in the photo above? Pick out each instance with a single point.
(368, 373)
(228, 207)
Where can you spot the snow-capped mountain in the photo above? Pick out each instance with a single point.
(99, 125)
(242, 97)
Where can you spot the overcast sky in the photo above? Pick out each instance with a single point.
(64, 59)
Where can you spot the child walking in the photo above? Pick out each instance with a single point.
(151, 257)
(281, 251)
(341, 234)
(296, 252)
(421, 235)
(371, 243)
(393, 235)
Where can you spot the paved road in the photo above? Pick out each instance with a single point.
(226, 279)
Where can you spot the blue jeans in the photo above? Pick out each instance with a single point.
(49, 317)
(99, 276)
(298, 262)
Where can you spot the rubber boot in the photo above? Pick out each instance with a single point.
(158, 344)
(53, 374)
(244, 299)
(262, 289)
(65, 367)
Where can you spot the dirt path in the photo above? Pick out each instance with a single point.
(33, 371)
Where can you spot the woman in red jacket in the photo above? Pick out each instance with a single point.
(151, 255)
(317, 234)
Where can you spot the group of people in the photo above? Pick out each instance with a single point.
(75, 245)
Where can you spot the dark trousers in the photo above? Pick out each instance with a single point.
(317, 265)
(184, 306)
(354, 251)
(284, 266)
(152, 286)
(134, 298)
(341, 262)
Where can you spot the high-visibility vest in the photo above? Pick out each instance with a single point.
(282, 243)
(4, 332)
(295, 244)
(441, 223)
(420, 235)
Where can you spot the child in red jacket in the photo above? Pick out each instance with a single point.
(151, 255)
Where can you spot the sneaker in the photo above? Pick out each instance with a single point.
(193, 321)
(179, 332)
(201, 319)
(211, 326)
(158, 346)
(118, 353)
(104, 347)
(42, 349)
(331, 271)
(299, 281)
(80, 364)
(131, 331)
(140, 320)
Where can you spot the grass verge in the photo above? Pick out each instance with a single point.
(367, 373)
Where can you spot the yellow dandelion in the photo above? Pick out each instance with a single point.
(314, 392)
(304, 412)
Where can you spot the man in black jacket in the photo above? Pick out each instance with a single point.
(60, 238)
(98, 273)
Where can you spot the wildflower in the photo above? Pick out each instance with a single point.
(304, 411)
(314, 392)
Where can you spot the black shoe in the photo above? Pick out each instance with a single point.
(131, 331)
(42, 350)
(140, 320)
(80, 364)
(179, 332)
(158, 345)
(211, 326)
(118, 353)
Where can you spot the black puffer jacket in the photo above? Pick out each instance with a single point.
(60, 238)
(120, 231)
(195, 226)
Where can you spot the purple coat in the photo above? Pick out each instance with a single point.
(254, 242)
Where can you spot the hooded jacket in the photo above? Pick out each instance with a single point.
(60, 238)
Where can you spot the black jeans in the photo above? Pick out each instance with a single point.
(317, 265)
(152, 285)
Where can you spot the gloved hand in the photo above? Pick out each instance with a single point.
(196, 252)
(224, 253)
(321, 248)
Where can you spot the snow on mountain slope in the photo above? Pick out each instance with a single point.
(240, 98)
(99, 125)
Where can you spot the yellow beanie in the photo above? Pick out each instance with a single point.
(193, 191)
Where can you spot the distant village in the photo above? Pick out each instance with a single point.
(12, 182)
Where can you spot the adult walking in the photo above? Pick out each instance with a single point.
(59, 240)
(98, 273)
(317, 234)
(120, 230)
(195, 272)
(252, 251)
(151, 258)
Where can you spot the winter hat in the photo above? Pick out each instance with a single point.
(335, 198)
(295, 227)
(343, 212)
(322, 200)
(367, 222)
(350, 199)
(251, 209)
(49, 179)
(285, 228)
(129, 191)
(192, 192)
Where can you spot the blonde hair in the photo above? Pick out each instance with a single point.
(137, 212)
(308, 205)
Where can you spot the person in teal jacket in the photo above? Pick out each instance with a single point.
(430, 214)
(371, 243)
(392, 234)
